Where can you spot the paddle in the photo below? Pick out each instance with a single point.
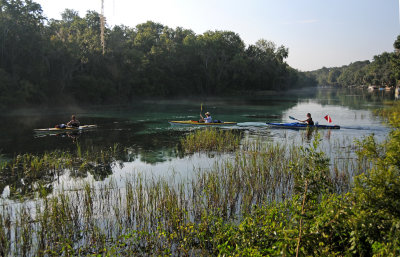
(293, 118)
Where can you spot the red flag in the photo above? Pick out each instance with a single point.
(328, 118)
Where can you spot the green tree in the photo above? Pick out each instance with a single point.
(333, 76)
(395, 60)
(217, 50)
(63, 59)
(22, 51)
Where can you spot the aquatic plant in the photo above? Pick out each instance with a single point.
(211, 139)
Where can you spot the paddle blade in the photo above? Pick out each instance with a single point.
(292, 118)
(328, 118)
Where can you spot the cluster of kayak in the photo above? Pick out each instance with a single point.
(292, 125)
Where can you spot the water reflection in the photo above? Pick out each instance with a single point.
(354, 98)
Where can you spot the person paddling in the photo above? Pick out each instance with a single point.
(207, 119)
(309, 120)
(73, 122)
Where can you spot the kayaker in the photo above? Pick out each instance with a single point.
(207, 119)
(309, 120)
(73, 122)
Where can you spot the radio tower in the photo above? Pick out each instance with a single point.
(102, 25)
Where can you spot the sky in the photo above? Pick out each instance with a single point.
(318, 33)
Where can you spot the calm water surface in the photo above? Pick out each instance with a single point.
(143, 128)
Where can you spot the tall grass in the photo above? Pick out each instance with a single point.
(153, 215)
(211, 139)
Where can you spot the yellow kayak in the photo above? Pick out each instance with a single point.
(196, 123)
(67, 129)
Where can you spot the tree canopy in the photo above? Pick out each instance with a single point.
(43, 61)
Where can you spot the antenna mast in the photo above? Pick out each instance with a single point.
(102, 25)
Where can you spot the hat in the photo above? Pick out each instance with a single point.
(207, 113)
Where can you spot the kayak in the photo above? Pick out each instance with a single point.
(67, 129)
(297, 125)
(196, 123)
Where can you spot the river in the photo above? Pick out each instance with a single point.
(150, 142)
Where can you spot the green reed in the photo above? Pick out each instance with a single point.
(211, 139)
(151, 215)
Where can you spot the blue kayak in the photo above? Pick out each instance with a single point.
(297, 125)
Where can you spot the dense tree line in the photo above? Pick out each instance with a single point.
(45, 61)
(383, 70)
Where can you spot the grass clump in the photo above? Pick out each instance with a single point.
(211, 139)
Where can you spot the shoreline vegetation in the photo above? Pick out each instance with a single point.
(382, 72)
(50, 61)
(270, 199)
